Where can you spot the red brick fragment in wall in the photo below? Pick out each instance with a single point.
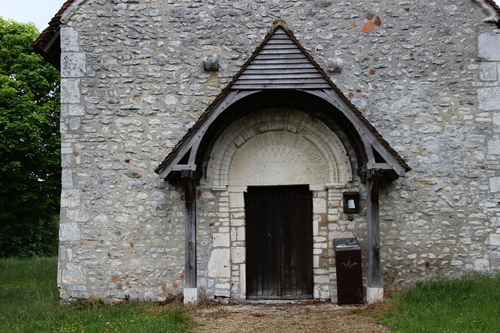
(115, 277)
(372, 71)
(407, 9)
(119, 286)
(75, 153)
(461, 67)
(132, 245)
(365, 28)
(358, 90)
(427, 264)
(371, 26)
(175, 286)
(84, 190)
(351, 95)
(377, 21)
(198, 195)
(369, 16)
(164, 288)
(127, 161)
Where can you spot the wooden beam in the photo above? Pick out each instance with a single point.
(373, 230)
(190, 228)
(193, 142)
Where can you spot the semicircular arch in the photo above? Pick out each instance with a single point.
(278, 146)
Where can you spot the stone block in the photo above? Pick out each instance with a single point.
(70, 198)
(73, 276)
(489, 46)
(73, 64)
(67, 178)
(319, 205)
(190, 295)
(211, 63)
(495, 239)
(218, 265)
(374, 295)
(496, 122)
(488, 98)
(74, 124)
(495, 184)
(70, 91)
(494, 145)
(221, 240)
(481, 264)
(76, 110)
(69, 40)
(243, 276)
(69, 232)
(238, 255)
(488, 71)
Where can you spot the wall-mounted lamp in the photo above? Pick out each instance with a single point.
(351, 204)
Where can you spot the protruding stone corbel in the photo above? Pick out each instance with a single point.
(211, 63)
(334, 65)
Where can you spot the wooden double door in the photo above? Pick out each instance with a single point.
(279, 242)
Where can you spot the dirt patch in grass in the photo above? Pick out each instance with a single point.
(287, 317)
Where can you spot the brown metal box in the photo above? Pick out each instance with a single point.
(349, 271)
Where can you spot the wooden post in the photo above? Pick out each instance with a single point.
(373, 237)
(190, 228)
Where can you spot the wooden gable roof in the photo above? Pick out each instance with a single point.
(280, 63)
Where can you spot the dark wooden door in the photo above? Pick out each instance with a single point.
(279, 242)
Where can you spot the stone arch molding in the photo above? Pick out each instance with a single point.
(278, 147)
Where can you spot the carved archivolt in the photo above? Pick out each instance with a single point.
(278, 147)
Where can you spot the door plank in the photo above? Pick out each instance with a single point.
(279, 242)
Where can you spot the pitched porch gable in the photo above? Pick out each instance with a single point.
(280, 62)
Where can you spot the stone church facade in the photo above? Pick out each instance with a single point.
(214, 148)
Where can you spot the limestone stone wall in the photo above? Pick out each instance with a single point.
(425, 74)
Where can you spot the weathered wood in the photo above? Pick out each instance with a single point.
(373, 230)
(277, 61)
(269, 65)
(190, 229)
(290, 78)
(368, 136)
(279, 242)
(281, 71)
(192, 143)
(279, 86)
(278, 65)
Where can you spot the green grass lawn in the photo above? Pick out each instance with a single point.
(468, 304)
(29, 302)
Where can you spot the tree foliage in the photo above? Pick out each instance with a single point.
(30, 174)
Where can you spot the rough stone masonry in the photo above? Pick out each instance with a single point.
(425, 74)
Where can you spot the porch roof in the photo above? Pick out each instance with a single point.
(259, 74)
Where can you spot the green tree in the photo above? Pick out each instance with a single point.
(30, 174)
